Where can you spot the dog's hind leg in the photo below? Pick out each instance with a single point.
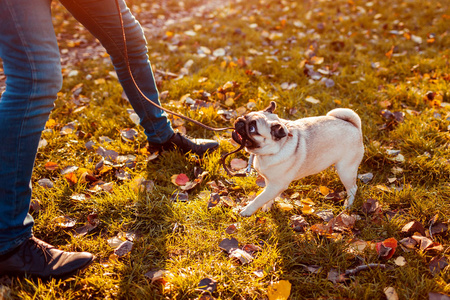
(348, 173)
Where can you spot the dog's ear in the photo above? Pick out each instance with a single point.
(271, 108)
(278, 131)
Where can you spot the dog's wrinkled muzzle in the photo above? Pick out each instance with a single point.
(240, 136)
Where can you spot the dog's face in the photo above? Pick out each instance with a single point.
(260, 132)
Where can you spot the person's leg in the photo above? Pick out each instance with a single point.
(101, 18)
(31, 64)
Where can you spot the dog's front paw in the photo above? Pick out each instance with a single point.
(266, 207)
(247, 211)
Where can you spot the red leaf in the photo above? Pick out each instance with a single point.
(180, 179)
(386, 248)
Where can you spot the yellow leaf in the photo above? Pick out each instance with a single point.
(81, 171)
(390, 52)
(279, 290)
(285, 206)
(71, 178)
(315, 60)
(324, 190)
(307, 201)
(307, 210)
(50, 123)
(100, 81)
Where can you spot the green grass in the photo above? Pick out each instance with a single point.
(183, 237)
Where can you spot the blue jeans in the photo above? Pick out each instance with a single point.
(31, 62)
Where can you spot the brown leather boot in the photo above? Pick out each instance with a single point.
(39, 259)
(185, 145)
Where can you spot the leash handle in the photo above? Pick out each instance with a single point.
(142, 94)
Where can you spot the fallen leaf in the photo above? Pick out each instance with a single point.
(279, 290)
(325, 215)
(390, 52)
(51, 166)
(321, 229)
(238, 164)
(259, 273)
(312, 100)
(437, 296)
(386, 248)
(307, 201)
(437, 264)
(307, 210)
(156, 275)
(365, 178)
(231, 229)
(408, 242)
(213, 200)
(243, 256)
(65, 221)
(423, 242)
(179, 179)
(229, 244)
(260, 181)
(129, 134)
(298, 223)
(207, 284)
(88, 227)
(335, 196)
(412, 227)
(371, 206)
(343, 222)
(357, 246)
(123, 248)
(400, 261)
(438, 228)
(314, 269)
(179, 196)
(45, 183)
(250, 248)
(71, 178)
(316, 60)
(390, 293)
(324, 190)
(285, 206)
(335, 277)
(115, 242)
(35, 205)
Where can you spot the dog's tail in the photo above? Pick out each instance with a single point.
(346, 114)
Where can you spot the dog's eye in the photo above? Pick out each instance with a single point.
(252, 129)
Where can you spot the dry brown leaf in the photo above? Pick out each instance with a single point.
(412, 227)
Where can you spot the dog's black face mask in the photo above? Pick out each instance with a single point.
(243, 131)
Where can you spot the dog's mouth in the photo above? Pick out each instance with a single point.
(240, 135)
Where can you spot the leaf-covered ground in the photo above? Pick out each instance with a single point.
(166, 226)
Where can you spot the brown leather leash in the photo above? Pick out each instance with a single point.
(142, 94)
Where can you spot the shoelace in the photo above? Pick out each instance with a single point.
(35, 245)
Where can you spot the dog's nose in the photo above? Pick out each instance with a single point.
(239, 125)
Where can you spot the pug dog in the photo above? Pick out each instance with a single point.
(287, 150)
